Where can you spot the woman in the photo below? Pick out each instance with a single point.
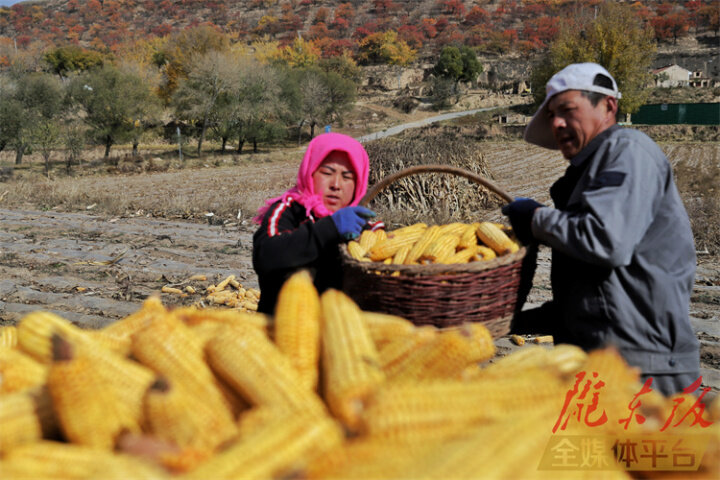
(303, 227)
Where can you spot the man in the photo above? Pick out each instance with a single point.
(623, 256)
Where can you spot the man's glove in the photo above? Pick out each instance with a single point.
(520, 213)
(350, 221)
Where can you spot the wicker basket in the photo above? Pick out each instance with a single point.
(443, 295)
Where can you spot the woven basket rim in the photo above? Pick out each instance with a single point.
(432, 269)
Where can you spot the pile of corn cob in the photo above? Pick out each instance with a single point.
(229, 292)
(321, 390)
(419, 244)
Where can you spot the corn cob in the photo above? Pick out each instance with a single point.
(485, 253)
(36, 329)
(284, 445)
(297, 326)
(441, 249)
(446, 355)
(19, 420)
(88, 411)
(468, 237)
(496, 239)
(123, 330)
(368, 238)
(256, 418)
(464, 255)
(185, 419)
(351, 368)
(355, 250)
(427, 238)
(409, 408)
(168, 347)
(520, 442)
(415, 227)
(370, 458)
(8, 336)
(517, 339)
(456, 229)
(19, 371)
(401, 255)
(397, 349)
(384, 328)
(47, 459)
(253, 366)
(193, 316)
(129, 380)
(385, 249)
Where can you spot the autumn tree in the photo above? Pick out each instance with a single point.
(110, 101)
(301, 53)
(177, 55)
(616, 39)
(212, 77)
(72, 58)
(385, 47)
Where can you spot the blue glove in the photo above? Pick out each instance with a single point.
(520, 213)
(350, 221)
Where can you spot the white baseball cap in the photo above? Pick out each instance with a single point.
(577, 76)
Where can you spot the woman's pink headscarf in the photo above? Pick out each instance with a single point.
(318, 149)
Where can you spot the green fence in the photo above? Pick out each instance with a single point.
(678, 113)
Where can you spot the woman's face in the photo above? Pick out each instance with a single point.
(334, 181)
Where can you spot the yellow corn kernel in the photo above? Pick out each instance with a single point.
(48, 459)
(297, 326)
(192, 316)
(254, 367)
(178, 416)
(351, 367)
(19, 420)
(36, 329)
(441, 249)
(168, 346)
(19, 371)
(281, 447)
(407, 408)
(355, 250)
(384, 328)
(447, 354)
(456, 229)
(88, 410)
(401, 255)
(485, 253)
(399, 348)
(496, 239)
(395, 241)
(464, 255)
(427, 238)
(8, 336)
(123, 329)
(468, 237)
(368, 238)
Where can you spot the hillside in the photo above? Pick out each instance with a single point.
(493, 27)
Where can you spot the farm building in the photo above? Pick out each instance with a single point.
(671, 76)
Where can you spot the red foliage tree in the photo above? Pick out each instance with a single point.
(412, 35)
(476, 16)
(428, 27)
(452, 7)
(321, 15)
(346, 11)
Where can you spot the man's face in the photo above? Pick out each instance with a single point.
(575, 121)
(334, 181)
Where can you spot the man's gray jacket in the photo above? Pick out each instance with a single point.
(623, 254)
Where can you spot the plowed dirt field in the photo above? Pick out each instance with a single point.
(96, 268)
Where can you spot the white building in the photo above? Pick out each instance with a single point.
(671, 76)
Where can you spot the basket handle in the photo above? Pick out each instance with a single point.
(438, 169)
